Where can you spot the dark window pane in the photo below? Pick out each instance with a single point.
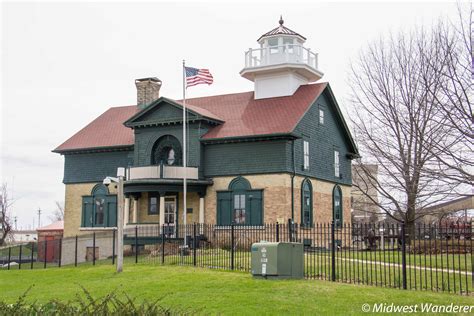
(153, 205)
(239, 216)
(99, 211)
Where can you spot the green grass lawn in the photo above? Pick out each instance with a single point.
(210, 291)
(351, 270)
(366, 267)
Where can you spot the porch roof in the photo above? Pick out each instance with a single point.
(166, 185)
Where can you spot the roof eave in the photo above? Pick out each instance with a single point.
(244, 138)
(93, 149)
(281, 34)
(354, 148)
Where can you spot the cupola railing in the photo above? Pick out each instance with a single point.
(273, 55)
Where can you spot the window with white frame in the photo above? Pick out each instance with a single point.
(321, 116)
(336, 164)
(273, 44)
(305, 155)
(239, 209)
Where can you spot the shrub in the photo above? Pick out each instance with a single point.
(110, 304)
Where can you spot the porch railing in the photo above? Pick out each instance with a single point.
(162, 172)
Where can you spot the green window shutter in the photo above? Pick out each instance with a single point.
(111, 211)
(87, 211)
(255, 202)
(224, 208)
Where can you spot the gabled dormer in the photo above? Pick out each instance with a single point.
(164, 111)
(158, 130)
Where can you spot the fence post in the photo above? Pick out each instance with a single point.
(404, 258)
(136, 244)
(163, 240)
(32, 253)
(113, 247)
(232, 241)
(45, 252)
(9, 256)
(60, 250)
(93, 249)
(194, 244)
(333, 253)
(75, 254)
(290, 238)
(277, 232)
(19, 263)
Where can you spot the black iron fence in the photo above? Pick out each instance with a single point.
(421, 257)
(31, 255)
(426, 257)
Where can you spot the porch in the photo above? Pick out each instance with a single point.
(155, 205)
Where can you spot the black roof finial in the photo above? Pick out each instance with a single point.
(281, 20)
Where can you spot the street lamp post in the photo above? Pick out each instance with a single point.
(119, 180)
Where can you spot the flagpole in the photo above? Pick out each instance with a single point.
(184, 152)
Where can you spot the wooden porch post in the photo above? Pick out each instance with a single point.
(135, 209)
(162, 212)
(126, 211)
(201, 213)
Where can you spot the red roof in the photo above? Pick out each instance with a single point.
(105, 131)
(202, 111)
(245, 116)
(59, 225)
(241, 113)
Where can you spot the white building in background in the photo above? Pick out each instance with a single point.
(22, 236)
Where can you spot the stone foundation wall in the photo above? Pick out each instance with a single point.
(103, 244)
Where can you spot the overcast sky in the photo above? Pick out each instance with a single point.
(63, 64)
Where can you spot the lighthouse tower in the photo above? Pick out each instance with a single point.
(281, 64)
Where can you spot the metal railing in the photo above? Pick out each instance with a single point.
(420, 257)
(272, 55)
(162, 172)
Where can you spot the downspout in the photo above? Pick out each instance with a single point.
(293, 180)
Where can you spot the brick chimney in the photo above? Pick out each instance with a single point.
(148, 90)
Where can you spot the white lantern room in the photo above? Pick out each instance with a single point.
(281, 64)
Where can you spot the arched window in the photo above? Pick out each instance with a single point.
(239, 187)
(306, 203)
(99, 194)
(100, 208)
(337, 206)
(167, 150)
(240, 205)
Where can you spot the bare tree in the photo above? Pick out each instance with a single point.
(6, 225)
(58, 213)
(454, 42)
(400, 126)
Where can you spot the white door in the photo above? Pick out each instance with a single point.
(170, 215)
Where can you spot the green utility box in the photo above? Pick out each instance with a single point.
(278, 260)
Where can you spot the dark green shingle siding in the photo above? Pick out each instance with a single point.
(245, 158)
(323, 140)
(94, 167)
(165, 112)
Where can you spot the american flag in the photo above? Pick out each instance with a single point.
(196, 76)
